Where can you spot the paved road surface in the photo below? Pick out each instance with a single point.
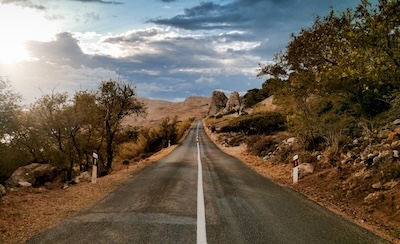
(160, 205)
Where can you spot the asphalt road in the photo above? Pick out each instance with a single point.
(160, 205)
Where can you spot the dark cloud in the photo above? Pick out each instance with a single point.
(64, 50)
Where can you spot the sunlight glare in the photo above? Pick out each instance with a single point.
(19, 25)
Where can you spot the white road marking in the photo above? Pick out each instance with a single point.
(201, 214)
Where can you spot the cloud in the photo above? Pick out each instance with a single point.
(24, 3)
(99, 1)
(203, 79)
(168, 1)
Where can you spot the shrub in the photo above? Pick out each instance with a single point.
(261, 145)
(263, 123)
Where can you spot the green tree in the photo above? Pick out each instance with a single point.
(116, 100)
(346, 60)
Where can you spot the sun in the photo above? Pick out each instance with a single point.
(19, 25)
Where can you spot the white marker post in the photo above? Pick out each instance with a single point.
(94, 169)
(295, 169)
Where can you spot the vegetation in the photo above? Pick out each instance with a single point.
(338, 76)
(66, 131)
(262, 123)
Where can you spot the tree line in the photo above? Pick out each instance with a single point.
(65, 131)
(340, 75)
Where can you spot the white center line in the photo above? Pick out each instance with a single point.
(201, 214)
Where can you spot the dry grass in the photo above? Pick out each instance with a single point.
(26, 212)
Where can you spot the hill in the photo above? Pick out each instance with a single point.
(157, 110)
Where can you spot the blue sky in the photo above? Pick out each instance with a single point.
(168, 49)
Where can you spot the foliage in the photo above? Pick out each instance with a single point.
(343, 68)
(116, 100)
(261, 145)
(151, 140)
(256, 124)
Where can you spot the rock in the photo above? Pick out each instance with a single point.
(396, 144)
(83, 177)
(373, 198)
(384, 156)
(35, 174)
(24, 184)
(355, 142)
(305, 169)
(377, 186)
(218, 102)
(233, 104)
(2, 190)
(396, 122)
(363, 174)
(290, 141)
(390, 185)
(395, 153)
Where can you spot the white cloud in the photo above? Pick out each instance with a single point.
(203, 79)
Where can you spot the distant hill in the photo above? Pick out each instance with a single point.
(157, 110)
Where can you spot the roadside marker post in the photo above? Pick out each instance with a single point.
(94, 169)
(295, 169)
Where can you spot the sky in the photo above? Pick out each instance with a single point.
(167, 49)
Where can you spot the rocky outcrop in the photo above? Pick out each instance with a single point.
(218, 103)
(34, 174)
(234, 103)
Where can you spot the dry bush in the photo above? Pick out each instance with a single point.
(261, 145)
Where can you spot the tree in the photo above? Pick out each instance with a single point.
(116, 100)
(346, 60)
(9, 107)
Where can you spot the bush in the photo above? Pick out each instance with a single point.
(261, 145)
(263, 123)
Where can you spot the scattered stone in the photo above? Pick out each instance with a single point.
(395, 153)
(396, 122)
(390, 185)
(2, 190)
(290, 141)
(363, 174)
(355, 142)
(373, 198)
(377, 186)
(24, 184)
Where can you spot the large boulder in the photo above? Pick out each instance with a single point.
(35, 174)
(218, 103)
(233, 104)
(305, 169)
